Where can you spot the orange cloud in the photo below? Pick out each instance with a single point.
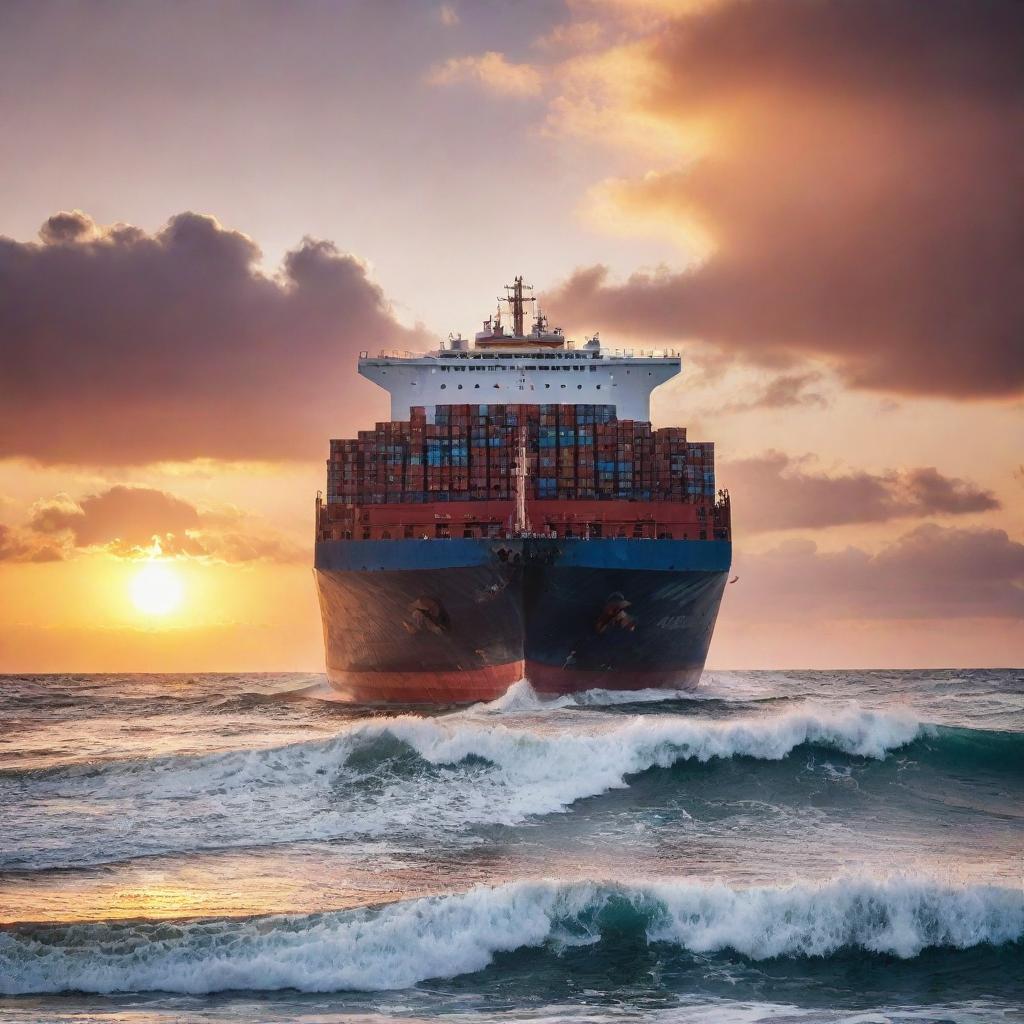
(15, 546)
(133, 522)
(848, 174)
(493, 72)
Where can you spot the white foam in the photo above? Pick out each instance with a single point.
(483, 772)
(521, 697)
(435, 937)
(652, 695)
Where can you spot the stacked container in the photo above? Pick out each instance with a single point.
(470, 453)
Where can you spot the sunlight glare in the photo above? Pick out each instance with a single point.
(156, 589)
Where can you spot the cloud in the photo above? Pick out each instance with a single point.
(931, 572)
(847, 174)
(783, 493)
(129, 521)
(120, 346)
(448, 15)
(16, 547)
(131, 515)
(492, 71)
(573, 35)
(934, 492)
(73, 226)
(782, 392)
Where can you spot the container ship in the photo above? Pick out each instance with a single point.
(518, 516)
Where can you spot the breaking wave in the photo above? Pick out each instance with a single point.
(521, 697)
(401, 944)
(357, 785)
(571, 756)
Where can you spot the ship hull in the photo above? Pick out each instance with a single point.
(460, 620)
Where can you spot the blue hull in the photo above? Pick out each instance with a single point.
(459, 620)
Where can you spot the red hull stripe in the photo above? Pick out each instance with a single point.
(470, 685)
(459, 687)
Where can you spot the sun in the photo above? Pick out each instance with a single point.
(157, 589)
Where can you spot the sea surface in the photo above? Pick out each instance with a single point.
(778, 846)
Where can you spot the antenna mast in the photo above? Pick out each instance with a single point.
(514, 297)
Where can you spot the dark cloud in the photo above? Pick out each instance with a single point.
(16, 547)
(776, 492)
(67, 226)
(933, 492)
(929, 573)
(861, 191)
(122, 347)
(128, 521)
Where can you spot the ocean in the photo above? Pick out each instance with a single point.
(777, 846)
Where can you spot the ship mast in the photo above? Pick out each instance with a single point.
(514, 297)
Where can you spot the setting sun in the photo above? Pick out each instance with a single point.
(156, 589)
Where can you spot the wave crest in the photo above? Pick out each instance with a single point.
(467, 772)
(441, 937)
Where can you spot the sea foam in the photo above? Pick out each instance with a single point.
(401, 944)
(430, 777)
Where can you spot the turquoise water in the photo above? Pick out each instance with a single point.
(840, 846)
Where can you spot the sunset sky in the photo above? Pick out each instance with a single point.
(208, 209)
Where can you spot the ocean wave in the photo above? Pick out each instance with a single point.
(521, 697)
(393, 777)
(531, 751)
(549, 768)
(401, 944)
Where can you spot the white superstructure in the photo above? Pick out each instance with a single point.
(521, 369)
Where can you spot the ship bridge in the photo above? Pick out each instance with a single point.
(511, 367)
